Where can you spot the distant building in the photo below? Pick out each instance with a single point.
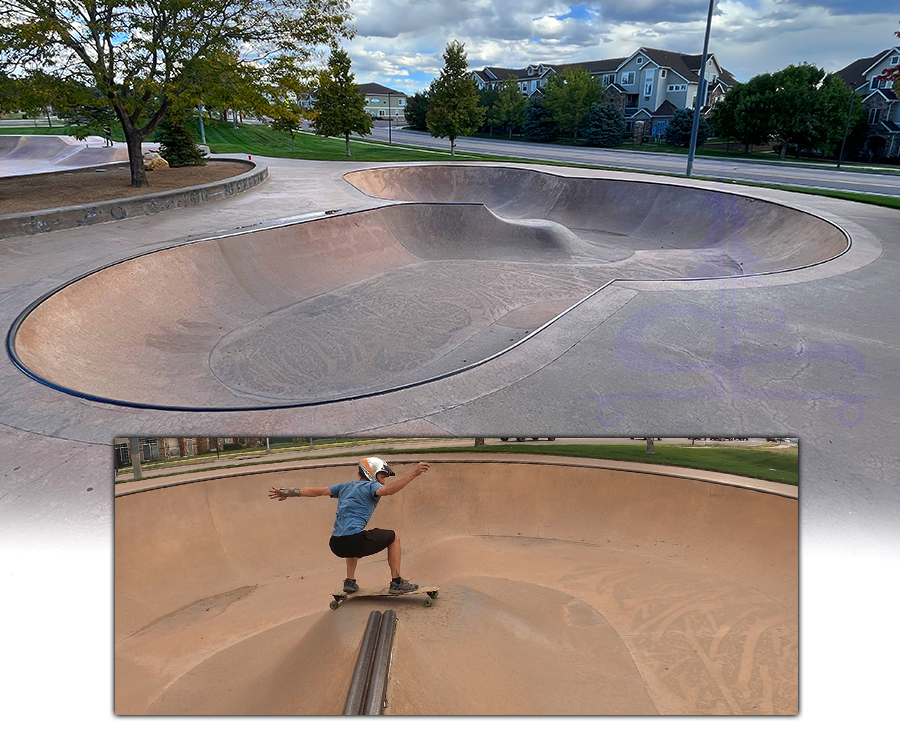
(381, 102)
(649, 85)
(882, 110)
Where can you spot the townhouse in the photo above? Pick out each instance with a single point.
(381, 102)
(882, 110)
(649, 85)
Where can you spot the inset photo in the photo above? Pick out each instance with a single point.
(511, 575)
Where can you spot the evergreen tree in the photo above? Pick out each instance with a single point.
(509, 110)
(453, 108)
(177, 141)
(678, 131)
(539, 125)
(340, 104)
(416, 110)
(606, 126)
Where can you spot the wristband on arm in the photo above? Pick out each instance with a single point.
(287, 493)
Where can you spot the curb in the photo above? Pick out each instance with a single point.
(81, 215)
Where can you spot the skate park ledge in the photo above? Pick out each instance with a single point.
(81, 215)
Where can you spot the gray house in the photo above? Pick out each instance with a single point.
(882, 110)
(650, 85)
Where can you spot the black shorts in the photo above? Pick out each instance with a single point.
(362, 544)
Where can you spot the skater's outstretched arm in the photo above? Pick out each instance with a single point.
(309, 491)
(392, 487)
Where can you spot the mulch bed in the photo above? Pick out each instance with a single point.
(20, 194)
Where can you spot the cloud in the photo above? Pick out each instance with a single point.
(400, 42)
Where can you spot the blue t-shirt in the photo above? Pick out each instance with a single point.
(356, 502)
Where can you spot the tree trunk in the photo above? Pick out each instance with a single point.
(135, 155)
(234, 119)
(49, 123)
(650, 446)
(510, 132)
(783, 151)
(452, 146)
(479, 441)
(347, 138)
(293, 146)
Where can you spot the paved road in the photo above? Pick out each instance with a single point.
(787, 174)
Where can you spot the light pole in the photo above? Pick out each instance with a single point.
(389, 119)
(700, 92)
(200, 109)
(847, 126)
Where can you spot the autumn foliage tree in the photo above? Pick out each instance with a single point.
(142, 55)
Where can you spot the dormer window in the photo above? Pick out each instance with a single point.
(894, 60)
(640, 60)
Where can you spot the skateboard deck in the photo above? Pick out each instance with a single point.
(430, 591)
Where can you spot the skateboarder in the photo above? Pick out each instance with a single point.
(107, 134)
(356, 503)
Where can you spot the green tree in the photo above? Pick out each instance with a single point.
(723, 117)
(794, 104)
(487, 98)
(453, 108)
(225, 81)
(288, 117)
(177, 141)
(142, 55)
(509, 110)
(605, 127)
(340, 104)
(834, 104)
(569, 97)
(417, 110)
(678, 131)
(539, 125)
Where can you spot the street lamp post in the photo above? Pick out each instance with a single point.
(700, 92)
(389, 119)
(847, 126)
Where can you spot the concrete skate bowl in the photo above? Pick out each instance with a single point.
(715, 233)
(381, 300)
(610, 593)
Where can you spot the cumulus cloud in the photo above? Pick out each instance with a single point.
(400, 42)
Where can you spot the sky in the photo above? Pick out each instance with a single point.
(399, 42)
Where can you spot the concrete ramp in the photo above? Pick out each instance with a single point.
(610, 593)
(381, 300)
(22, 155)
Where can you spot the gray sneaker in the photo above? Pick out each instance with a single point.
(399, 586)
(350, 586)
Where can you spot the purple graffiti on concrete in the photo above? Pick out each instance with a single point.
(725, 369)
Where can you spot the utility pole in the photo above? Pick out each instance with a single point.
(135, 447)
(389, 119)
(700, 92)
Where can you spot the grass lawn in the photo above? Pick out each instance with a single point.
(780, 465)
(222, 138)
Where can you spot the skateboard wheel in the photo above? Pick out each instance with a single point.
(334, 605)
(432, 594)
(428, 601)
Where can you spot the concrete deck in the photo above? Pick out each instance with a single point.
(612, 593)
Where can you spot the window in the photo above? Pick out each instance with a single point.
(676, 88)
(401, 102)
(874, 115)
(648, 88)
(628, 78)
(376, 100)
(894, 60)
(608, 79)
(640, 60)
(662, 73)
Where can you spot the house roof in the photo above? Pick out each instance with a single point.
(892, 127)
(672, 60)
(373, 88)
(888, 94)
(602, 66)
(854, 75)
(666, 109)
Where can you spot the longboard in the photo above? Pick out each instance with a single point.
(430, 591)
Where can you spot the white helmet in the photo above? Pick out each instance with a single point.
(371, 467)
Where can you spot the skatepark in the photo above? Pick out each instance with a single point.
(807, 351)
(613, 592)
